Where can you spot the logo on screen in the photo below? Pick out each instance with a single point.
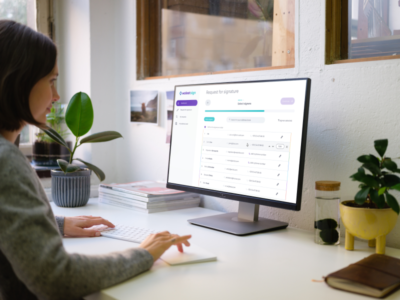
(187, 93)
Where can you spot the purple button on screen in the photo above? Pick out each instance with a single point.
(186, 103)
(287, 101)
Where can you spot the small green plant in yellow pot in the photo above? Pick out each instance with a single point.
(373, 212)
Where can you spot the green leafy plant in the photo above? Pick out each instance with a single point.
(261, 10)
(79, 119)
(378, 180)
(55, 119)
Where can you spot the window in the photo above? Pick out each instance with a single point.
(37, 15)
(360, 30)
(194, 37)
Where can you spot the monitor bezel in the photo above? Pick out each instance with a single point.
(249, 199)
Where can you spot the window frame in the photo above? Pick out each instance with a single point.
(148, 44)
(336, 35)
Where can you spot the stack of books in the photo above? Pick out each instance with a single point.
(146, 196)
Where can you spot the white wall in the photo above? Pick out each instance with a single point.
(73, 43)
(351, 106)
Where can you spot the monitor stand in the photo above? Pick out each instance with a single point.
(245, 222)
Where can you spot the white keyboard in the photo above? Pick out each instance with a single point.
(127, 233)
(172, 256)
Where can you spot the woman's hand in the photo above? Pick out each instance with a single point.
(158, 243)
(75, 226)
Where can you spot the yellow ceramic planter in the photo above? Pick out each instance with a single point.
(370, 224)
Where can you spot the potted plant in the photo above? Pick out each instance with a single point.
(46, 151)
(71, 183)
(373, 212)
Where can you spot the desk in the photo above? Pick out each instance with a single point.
(274, 265)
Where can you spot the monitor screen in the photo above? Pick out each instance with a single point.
(243, 141)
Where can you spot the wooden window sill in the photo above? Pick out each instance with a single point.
(343, 61)
(222, 72)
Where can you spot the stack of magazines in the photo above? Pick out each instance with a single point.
(146, 196)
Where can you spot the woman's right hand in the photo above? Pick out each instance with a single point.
(160, 242)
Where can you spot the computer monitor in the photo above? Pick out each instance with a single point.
(243, 141)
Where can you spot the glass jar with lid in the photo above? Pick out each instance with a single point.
(327, 220)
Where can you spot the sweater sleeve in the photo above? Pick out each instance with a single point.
(60, 224)
(31, 241)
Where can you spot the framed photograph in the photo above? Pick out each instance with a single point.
(144, 107)
(169, 104)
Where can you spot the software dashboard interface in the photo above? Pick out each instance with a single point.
(240, 138)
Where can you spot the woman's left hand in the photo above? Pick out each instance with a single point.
(75, 226)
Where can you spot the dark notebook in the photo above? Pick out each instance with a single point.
(376, 275)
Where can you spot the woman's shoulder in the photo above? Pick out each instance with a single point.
(16, 173)
(10, 155)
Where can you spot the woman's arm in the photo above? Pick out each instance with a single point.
(31, 242)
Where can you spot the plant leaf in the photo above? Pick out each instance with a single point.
(375, 197)
(396, 187)
(369, 159)
(79, 115)
(391, 180)
(370, 181)
(381, 191)
(392, 202)
(381, 202)
(374, 160)
(104, 136)
(372, 168)
(362, 185)
(381, 146)
(99, 173)
(56, 137)
(359, 175)
(361, 170)
(363, 159)
(63, 165)
(362, 195)
(389, 164)
(67, 167)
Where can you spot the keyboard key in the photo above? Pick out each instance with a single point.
(128, 233)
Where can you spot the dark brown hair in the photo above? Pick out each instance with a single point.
(26, 56)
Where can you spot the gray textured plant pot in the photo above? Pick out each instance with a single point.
(71, 189)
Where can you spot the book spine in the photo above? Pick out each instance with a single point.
(123, 205)
(113, 188)
(126, 202)
(137, 203)
(151, 209)
(145, 199)
(122, 195)
(168, 208)
(168, 192)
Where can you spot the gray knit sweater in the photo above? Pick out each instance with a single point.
(33, 261)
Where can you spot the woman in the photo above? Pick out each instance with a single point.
(33, 261)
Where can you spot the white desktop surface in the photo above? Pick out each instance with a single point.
(273, 265)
